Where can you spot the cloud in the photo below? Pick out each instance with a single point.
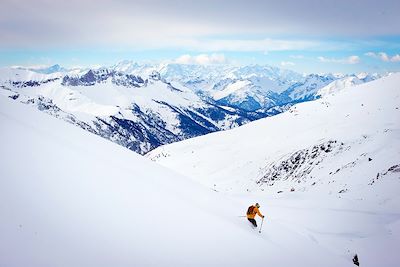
(348, 60)
(297, 56)
(202, 59)
(371, 54)
(260, 45)
(162, 24)
(384, 57)
(395, 58)
(287, 63)
(353, 60)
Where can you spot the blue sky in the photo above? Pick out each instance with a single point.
(304, 35)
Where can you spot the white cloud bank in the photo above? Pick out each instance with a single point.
(287, 63)
(162, 24)
(384, 57)
(202, 59)
(348, 60)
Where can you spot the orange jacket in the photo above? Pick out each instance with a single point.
(254, 213)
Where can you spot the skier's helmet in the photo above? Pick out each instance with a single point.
(257, 205)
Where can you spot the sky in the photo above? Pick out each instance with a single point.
(307, 36)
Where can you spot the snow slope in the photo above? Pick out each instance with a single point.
(71, 198)
(23, 75)
(340, 154)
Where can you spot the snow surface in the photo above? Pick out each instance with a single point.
(16, 74)
(71, 198)
(340, 154)
(230, 89)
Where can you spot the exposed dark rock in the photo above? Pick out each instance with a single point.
(22, 84)
(298, 166)
(100, 76)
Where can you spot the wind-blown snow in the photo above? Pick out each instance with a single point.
(230, 89)
(338, 85)
(71, 198)
(16, 74)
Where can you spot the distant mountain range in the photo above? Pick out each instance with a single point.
(143, 106)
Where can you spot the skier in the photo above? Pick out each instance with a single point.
(252, 211)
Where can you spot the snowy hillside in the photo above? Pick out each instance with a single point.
(336, 159)
(46, 70)
(340, 84)
(356, 118)
(71, 198)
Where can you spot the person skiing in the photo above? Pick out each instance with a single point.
(252, 211)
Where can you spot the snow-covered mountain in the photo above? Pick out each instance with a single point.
(48, 70)
(144, 106)
(250, 88)
(138, 113)
(299, 143)
(339, 154)
(71, 198)
(345, 82)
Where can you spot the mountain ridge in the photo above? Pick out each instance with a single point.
(130, 103)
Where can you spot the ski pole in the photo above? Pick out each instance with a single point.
(261, 225)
